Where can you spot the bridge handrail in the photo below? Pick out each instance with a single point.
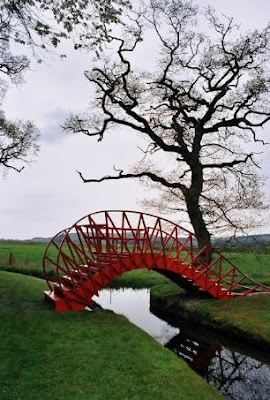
(221, 258)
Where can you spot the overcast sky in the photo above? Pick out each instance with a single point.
(48, 195)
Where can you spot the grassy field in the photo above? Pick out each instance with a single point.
(100, 355)
(253, 264)
(26, 257)
(82, 355)
(22, 256)
(245, 318)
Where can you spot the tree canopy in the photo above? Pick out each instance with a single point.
(203, 106)
(41, 25)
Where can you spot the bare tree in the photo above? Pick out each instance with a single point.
(203, 106)
(42, 25)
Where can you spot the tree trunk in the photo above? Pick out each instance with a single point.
(197, 221)
(200, 229)
(192, 196)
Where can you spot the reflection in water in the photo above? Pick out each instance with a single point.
(135, 305)
(197, 355)
(237, 376)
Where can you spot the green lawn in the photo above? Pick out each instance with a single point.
(100, 355)
(82, 355)
(27, 258)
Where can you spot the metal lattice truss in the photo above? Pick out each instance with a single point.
(85, 258)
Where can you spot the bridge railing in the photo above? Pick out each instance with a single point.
(112, 235)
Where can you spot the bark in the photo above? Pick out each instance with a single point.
(192, 197)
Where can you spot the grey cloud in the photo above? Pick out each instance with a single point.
(52, 131)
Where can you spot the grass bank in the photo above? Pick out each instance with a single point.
(82, 355)
(244, 318)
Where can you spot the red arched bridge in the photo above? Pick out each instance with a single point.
(85, 258)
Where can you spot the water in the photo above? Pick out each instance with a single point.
(238, 376)
(135, 305)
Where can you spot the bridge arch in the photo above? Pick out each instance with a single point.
(81, 260)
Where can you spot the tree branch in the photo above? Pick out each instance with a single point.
(147, 174)
(228, 164)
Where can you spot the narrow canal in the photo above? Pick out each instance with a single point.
(236, 373)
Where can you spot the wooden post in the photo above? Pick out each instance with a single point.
(10, 260)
